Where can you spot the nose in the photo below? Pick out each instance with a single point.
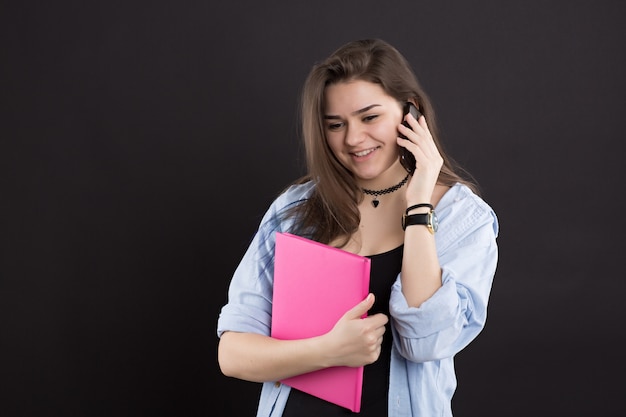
(355, 134)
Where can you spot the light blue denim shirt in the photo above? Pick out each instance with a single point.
(425, 339)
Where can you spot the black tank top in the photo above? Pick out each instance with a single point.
(384, 269)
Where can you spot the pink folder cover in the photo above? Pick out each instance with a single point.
(314, 285)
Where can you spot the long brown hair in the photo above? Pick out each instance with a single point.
(332, 210)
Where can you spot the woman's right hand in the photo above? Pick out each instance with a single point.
(356, 341)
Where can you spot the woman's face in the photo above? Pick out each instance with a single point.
(361, 124)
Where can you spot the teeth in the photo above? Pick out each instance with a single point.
(363, 153)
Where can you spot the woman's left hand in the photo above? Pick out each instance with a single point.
(428, 160)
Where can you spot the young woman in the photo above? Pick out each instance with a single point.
(430, 237)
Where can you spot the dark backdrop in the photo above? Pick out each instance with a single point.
(141, 143)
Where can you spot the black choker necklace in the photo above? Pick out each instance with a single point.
(376, 193)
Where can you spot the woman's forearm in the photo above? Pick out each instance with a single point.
(259, 358)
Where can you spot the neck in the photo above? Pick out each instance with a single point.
(385, 179)
(376, 193)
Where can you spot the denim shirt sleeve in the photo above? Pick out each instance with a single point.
(249, 306)
(452, 317)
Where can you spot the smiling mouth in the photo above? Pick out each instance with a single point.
(364, 152)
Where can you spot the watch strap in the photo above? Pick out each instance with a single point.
(416, 206)
(427, 219)
(414, 219)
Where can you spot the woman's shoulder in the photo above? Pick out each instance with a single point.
(289, 197)
(462, 205)
(294, 193)
(460, 193)
(275, 217)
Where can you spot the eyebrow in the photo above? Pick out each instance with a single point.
(354, 113)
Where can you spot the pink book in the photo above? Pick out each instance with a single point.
(314, 285)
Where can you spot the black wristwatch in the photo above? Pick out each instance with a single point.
(427, 219)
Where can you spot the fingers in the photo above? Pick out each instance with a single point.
(418, 130)
(375, 336)
(360, 310)
(357, 337)
(420, 141)
(374, 325)
(378, 320)
(416, 125)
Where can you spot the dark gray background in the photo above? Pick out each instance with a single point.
(141, 143)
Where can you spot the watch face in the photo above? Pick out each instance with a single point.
(433, 221)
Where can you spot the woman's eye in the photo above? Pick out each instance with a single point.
(370, 118)
(334, 126)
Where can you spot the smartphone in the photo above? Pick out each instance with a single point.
(406, 158)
